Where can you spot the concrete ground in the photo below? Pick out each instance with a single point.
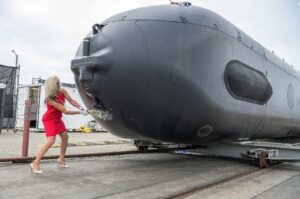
(79, 143)
(127, 176)
(278, 182)
(159, 175)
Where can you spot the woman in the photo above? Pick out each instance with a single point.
(55, 99)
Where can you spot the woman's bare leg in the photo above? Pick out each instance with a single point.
(63, 146)
(36, 163)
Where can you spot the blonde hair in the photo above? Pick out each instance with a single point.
(51, 87)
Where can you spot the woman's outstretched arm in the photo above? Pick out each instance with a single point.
(61, 108)
(70, 100)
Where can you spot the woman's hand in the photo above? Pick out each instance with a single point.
(83, 112)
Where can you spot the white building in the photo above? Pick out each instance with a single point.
(36, 94)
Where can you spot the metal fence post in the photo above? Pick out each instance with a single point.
(2, 98)
(26, 128)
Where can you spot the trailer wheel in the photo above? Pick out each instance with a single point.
(142, 148)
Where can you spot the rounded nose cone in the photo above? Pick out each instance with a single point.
(93, 59)
(94, 54)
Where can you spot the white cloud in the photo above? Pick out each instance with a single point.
(46, 34)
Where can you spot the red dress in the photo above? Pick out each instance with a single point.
(52, 121)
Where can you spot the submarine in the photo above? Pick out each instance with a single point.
(184, 74)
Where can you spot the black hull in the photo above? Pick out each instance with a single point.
(185, 75)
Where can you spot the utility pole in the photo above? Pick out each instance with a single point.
(16, 89)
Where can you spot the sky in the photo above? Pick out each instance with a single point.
(46, 33)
